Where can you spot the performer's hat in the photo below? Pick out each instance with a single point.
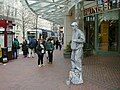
(74, 24)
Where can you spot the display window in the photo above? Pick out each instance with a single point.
(89, 26)
(108, 33)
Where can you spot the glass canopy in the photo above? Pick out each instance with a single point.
(52, 10)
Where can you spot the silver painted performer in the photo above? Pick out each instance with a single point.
(78, 39)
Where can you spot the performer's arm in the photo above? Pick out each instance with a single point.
(80, 39)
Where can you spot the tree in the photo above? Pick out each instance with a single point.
(28, 20)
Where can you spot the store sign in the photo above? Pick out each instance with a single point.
(92, 10)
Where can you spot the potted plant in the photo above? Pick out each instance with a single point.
(67, 50)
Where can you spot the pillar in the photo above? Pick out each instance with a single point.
(67, 29)
(119, 33)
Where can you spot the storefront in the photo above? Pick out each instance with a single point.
(108, 31)
(102, 27)
(6, 36)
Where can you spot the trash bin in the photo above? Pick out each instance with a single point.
(4, 54)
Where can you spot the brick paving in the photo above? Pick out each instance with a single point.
(99, 73)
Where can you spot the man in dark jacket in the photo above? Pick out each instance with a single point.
(32, 45)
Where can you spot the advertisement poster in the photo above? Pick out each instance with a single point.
(9, 42)
(2, 40)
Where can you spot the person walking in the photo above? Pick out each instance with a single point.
(60, 44)
(56, 43)
(18, 47)
(25, 48)
(49, 49)
(40, 50)
(32, 45)
(15, 47)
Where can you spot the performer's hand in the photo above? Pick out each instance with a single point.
(74, 40)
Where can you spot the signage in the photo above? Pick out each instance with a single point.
(92, 10)
(96, 9)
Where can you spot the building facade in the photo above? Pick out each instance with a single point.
(102, 26)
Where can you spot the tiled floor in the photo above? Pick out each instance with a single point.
(99, 73)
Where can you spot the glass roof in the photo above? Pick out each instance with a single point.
(53, 10)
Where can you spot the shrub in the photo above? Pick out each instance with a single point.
(68, 47)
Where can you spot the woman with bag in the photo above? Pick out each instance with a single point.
(40, 50)
(25, 48)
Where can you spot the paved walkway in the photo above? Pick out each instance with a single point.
(100, 73)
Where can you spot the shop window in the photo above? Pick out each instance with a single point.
(100, 4)
(108, 36)
(89, 27)
(113, 3)
(90, 18)
(108, 4)
(118, 3)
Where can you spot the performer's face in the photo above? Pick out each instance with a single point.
(73, 27)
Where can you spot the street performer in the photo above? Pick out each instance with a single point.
(78, 39)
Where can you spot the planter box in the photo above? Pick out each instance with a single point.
(67, 54)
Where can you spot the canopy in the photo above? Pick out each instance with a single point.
(52, 10)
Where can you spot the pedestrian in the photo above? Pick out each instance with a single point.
(56, 43)
(60, 44)
(15, 47)
(40, 50)
(49, 49)
(25, 48)
(32, 46)
(18, 47)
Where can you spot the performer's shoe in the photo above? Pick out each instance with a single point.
(68, 82)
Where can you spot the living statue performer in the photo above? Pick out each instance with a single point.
(78, 39)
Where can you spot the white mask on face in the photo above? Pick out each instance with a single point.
(74, 25)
